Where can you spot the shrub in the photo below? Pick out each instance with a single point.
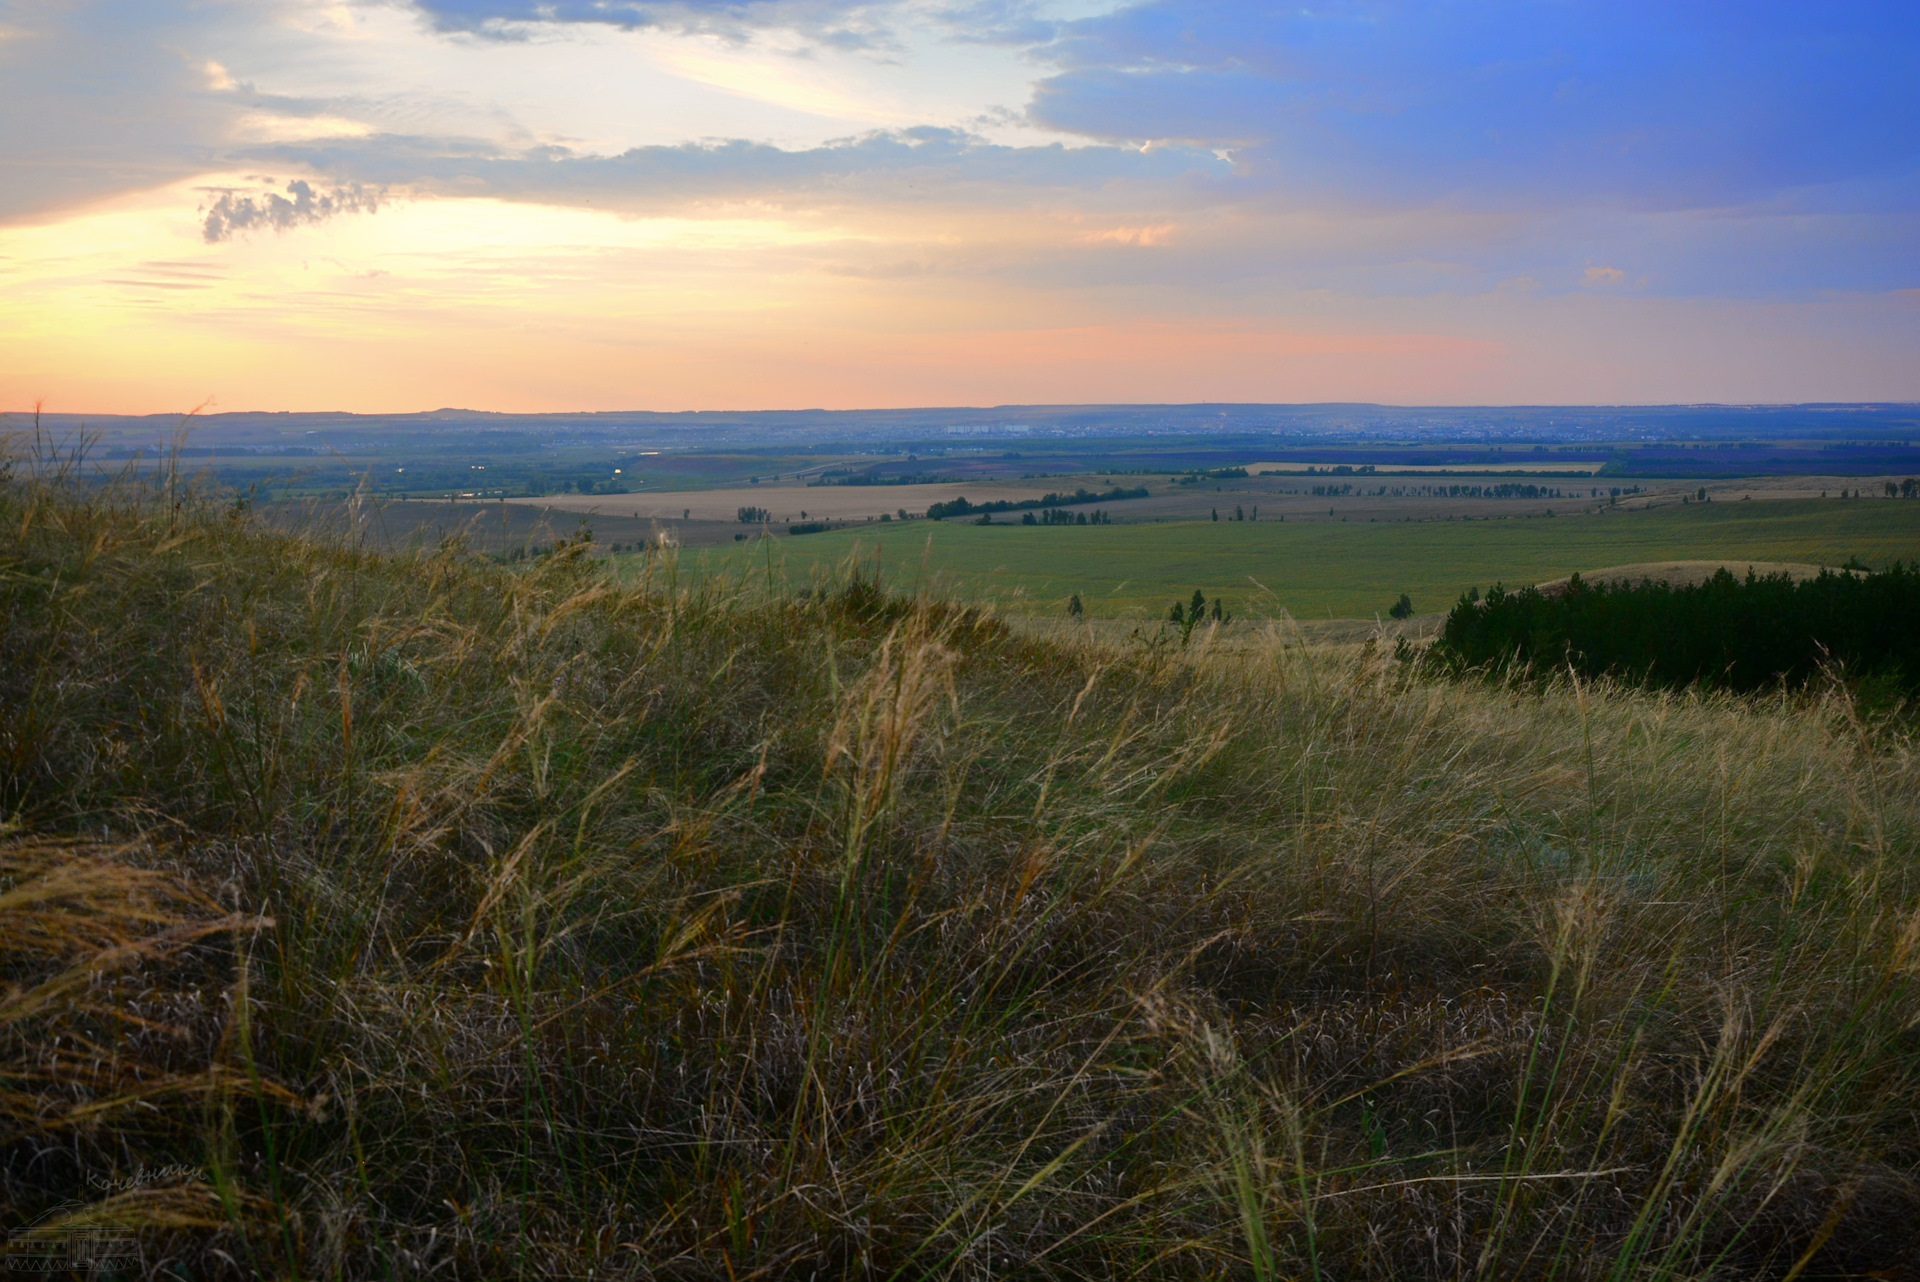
(1193, 613)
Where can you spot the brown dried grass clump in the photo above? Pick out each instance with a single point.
(442, 917)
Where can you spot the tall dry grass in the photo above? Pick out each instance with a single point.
(421, 916)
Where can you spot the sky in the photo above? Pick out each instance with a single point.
(533, 205)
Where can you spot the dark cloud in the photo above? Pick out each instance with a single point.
(482, 15)
(912, 165)
(1241, 230)
(233, 212)
(1489, 102)
(1641, 104)
(1000, 22)
(843, 24)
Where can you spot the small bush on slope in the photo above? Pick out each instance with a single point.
(438, 917)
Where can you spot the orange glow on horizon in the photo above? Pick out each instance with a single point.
(488, 304)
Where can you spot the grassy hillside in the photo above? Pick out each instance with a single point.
(1338, 569)
(396, 917)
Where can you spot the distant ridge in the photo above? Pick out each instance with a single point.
(1877, 423)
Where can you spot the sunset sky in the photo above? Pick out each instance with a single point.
(615, 204)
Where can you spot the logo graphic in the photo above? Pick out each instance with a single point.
(49, 1245)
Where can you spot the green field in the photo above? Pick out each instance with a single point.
(1328, 569)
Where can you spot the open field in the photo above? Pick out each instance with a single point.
(791, 502)
(490, 526)
(418, 916)
(1329, 569)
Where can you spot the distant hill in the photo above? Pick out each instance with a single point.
(1875, 424)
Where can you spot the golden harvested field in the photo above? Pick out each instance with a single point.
(798, 502)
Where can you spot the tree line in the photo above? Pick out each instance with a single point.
(844, 476)
(1729, 633)
(1503, 490)
(1060, 516)
(961, 506)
